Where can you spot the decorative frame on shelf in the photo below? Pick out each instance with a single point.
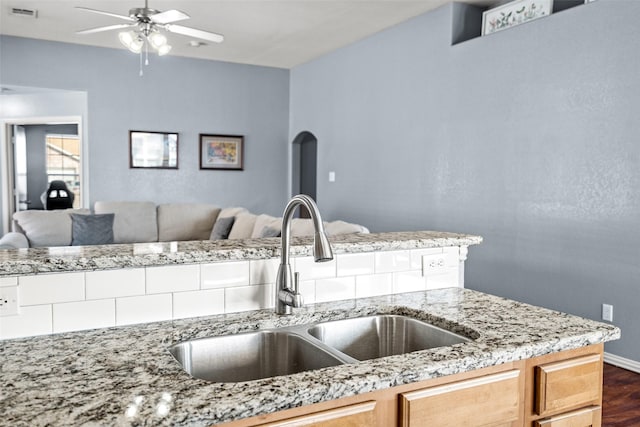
(514, 13)
(153, 150)
(222, 152)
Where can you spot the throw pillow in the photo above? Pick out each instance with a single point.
(47, 228)
(270, 232)
(222, 228)
(263, 221)
(91, 229)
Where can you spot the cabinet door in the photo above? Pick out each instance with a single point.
(491, 400)
(568, 384)
(358, 415)
(588, 417)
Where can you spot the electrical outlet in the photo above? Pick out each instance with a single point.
(607, 312)
(9, 301)
(433, 264)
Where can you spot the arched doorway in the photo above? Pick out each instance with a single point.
(304, 166)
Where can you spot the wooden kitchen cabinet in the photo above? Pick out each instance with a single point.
(562, 389)
(587, 417)
(490, 400)
(565, 389)
(358, 415)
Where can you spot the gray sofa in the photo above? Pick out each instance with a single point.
(143, 222)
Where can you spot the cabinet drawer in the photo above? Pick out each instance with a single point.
(568, 384)
(587, 417)
(491, 400)
(358, 415)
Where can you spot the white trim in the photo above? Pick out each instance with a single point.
(622, 362)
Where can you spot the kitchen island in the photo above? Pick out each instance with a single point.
(126, 376)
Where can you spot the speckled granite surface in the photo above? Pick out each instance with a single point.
(86, 258)
(125, 376)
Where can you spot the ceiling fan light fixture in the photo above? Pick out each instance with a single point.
(164, 49)
(157, 40)
(131, 41)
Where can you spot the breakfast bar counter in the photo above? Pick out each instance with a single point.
(126, 376)
(31, 261)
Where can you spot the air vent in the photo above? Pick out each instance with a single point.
(27, 13)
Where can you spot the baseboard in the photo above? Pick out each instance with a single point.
(622, 362)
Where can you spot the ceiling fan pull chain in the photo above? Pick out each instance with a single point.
(146, 51)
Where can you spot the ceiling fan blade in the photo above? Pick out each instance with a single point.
(169, 16)
(115, 15)
(107, 28)
(192, 32)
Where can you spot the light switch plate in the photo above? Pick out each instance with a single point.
(9, 301)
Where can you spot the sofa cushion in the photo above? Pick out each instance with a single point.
(47, 228)
(134, 222)
(186, 221)
(91, 229)
(13, 240)
(342, 227)
(222, 228)
(302, 227)
(228, 212)
(243, 226)
(266, 226)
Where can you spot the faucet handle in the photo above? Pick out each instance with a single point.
(296, 282)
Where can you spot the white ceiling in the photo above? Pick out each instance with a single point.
(273, 33)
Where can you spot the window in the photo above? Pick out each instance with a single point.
(63, 162)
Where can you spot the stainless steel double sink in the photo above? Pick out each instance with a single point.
(289, 350)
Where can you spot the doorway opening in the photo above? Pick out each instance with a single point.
(304, 167)
(37, 152)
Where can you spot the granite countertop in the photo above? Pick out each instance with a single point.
(125, 376)
(17, 262)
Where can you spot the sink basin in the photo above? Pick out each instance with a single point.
(250, 356)
(371, 337)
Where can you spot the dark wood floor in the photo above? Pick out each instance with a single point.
(621, 398)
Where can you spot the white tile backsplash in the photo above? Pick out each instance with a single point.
(198, 303)
(355, 264)
(74, 301)
(8, 281)
(335, 289)
(247, 298)
(75, 316)
(224, 275)
(263, 271)
(175, 278)
(387, 262)
(148, 308)
(371, 285)
(408, 281)
(446, 280)
(310, 270)
(32, 320)
(50, 288)
(452, 256)
(115, 283)
(308, 291)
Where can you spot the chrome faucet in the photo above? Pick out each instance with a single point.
(287, 287)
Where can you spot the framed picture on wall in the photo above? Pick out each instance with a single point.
(155, 150)
(514, 13)
(221, 152)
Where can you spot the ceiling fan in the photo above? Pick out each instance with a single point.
(145, 27)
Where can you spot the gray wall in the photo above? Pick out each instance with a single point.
(528, 137)
(183, 95)
(37, 181)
